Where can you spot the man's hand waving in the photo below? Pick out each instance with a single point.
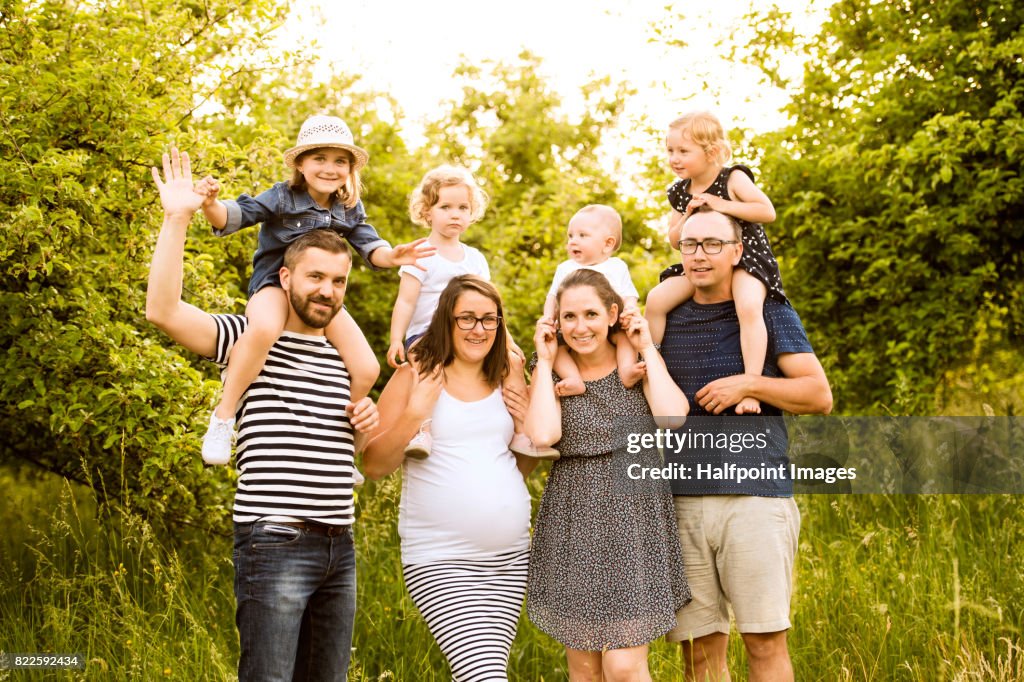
(177, 195)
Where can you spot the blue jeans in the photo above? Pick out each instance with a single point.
(296, 603)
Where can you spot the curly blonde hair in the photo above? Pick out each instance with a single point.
(707, 132)
(425, 196)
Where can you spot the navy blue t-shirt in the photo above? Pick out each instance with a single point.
(702, 344)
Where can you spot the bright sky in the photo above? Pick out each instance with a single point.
(411, 48)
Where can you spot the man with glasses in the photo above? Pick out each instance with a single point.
(739, 538)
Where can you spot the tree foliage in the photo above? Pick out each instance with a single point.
(93, 94)
(901, 204)
(539, 165)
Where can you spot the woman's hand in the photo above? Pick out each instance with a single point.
(516, 402)
(635, 326)
(424, 394)
(545, 340)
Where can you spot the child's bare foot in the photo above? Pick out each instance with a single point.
(633, 374)
(570, 386)
(748, 406)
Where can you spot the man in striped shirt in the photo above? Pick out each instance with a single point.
(295, 581)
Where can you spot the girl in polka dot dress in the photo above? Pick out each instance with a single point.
(697, 153)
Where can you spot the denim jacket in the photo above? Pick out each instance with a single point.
(287, 215)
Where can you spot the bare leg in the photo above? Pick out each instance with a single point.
(704, 659)
(749, 294)
(630, 369)
(267, 312)
(768, 656)
(521, 443)
(420, 445)
(626, 665)
(363, 367)
(565, 367)
(516, 380)
(662, 300)
(584, 666)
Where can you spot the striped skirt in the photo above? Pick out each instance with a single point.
(472, 608)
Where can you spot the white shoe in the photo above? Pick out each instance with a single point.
(522, 445)
(419, 446)
(218, 439)
(357, 477)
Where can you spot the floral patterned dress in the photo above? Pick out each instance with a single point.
(606, 571)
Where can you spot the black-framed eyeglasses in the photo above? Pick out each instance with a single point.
(711, 246)
(468, 322)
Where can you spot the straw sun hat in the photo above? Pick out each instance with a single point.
(326, 131)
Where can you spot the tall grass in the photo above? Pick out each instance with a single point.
(910, 588)
(77, 578)
(888, 588)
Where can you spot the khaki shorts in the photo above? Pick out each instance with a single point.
(738, 550)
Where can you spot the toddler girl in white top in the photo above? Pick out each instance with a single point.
(447, 200)
(595, 233)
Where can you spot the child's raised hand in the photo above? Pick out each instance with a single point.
(176, 191)
(396, 354)
(209, 188)
(409, 254)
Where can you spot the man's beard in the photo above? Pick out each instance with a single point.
(310, 316)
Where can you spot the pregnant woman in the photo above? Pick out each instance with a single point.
(464, 518)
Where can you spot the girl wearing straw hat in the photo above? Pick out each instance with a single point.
(323, 193)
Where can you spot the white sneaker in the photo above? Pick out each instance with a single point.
(218, 439)
(522, 445)
(419, 446)
(357, 477)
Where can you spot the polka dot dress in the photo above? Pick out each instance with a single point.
(606, 570)
(757, 258)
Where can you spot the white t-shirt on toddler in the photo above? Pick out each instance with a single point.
(439, 272)
(614, 269)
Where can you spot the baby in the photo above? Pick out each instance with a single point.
(595, 233)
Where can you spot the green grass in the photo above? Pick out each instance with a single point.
(888, 588)
(77, 578)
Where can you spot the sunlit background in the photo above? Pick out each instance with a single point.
(677, 57)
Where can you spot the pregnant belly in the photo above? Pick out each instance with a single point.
(451, 521)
